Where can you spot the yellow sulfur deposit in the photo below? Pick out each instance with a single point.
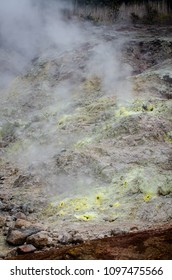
(147, 197)
(99, 199)
(122, 112)
(78, 203)
(116, 204)
(85, 217)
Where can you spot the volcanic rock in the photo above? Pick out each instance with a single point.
(18, 237)
(39, 240)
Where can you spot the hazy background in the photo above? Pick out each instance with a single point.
(29, 27)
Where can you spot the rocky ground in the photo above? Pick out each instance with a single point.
(144, 245)
(85, 149)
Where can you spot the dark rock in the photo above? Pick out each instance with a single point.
(16, 237)
(19, 236)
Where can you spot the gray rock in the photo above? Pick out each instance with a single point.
(66, 238)
(19, 236)
(39, 240)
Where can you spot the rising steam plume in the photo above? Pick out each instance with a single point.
(32, 32)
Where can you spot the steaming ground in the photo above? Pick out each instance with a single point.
(58, 87)
(53, 84)
(86, 130)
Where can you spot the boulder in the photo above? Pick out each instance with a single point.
(39, 240)
(21, 223)
(19, 236)
(16, 237)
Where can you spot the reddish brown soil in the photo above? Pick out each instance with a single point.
(149, 244)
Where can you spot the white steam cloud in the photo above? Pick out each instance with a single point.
(34, 35)
(29, 27)
(105, 62)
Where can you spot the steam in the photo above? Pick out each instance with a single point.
(106, 63)
(33, 34)
(20, 35)
(27, 29)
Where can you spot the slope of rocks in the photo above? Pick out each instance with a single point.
(86, 156)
